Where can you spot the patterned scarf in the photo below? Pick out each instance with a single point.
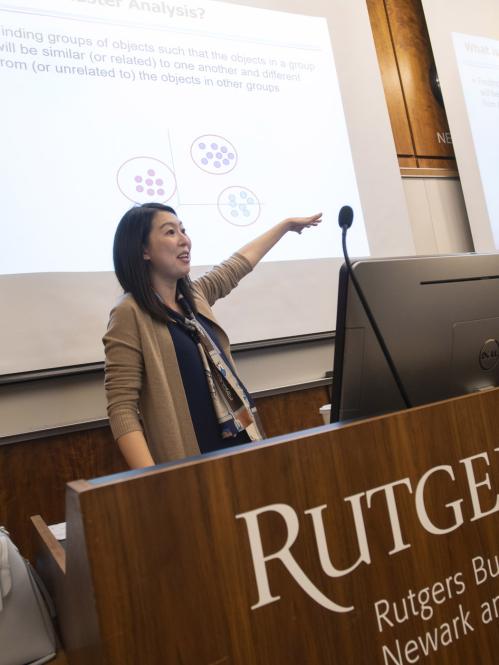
(233, 408)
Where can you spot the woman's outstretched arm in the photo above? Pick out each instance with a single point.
(219, 282)
(255, 250)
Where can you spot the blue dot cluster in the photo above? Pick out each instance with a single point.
(241, 207)
(217, 155)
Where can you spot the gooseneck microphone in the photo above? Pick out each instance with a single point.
(345, 219)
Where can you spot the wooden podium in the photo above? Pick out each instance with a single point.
(372, 542)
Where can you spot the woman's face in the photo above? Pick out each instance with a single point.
(168, 248)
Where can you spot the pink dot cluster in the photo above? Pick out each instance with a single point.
(150, 184)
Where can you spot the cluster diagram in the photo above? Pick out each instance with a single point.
(143, 179)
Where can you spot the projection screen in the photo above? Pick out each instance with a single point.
(465, 41)
(237, 114)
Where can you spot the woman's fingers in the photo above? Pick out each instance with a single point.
(297, 224)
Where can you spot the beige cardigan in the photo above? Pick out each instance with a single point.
(142, 375)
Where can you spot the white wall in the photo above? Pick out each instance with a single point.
(439, 224)
(438, 215)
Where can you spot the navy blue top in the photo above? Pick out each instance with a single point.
(204, 419)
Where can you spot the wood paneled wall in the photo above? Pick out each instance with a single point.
(419, 122)
(292, 412)
(33, 474)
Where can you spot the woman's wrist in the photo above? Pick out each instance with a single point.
(285, 226)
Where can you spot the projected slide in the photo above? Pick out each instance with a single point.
(230, 114)
(478, 62)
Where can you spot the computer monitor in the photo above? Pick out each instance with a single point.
(439, 316)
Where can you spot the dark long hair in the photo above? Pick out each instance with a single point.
(132, 270)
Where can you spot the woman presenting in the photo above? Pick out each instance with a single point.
(171, 385)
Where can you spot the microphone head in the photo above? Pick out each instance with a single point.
(345, 217)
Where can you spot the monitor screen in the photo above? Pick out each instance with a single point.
(439, 317)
